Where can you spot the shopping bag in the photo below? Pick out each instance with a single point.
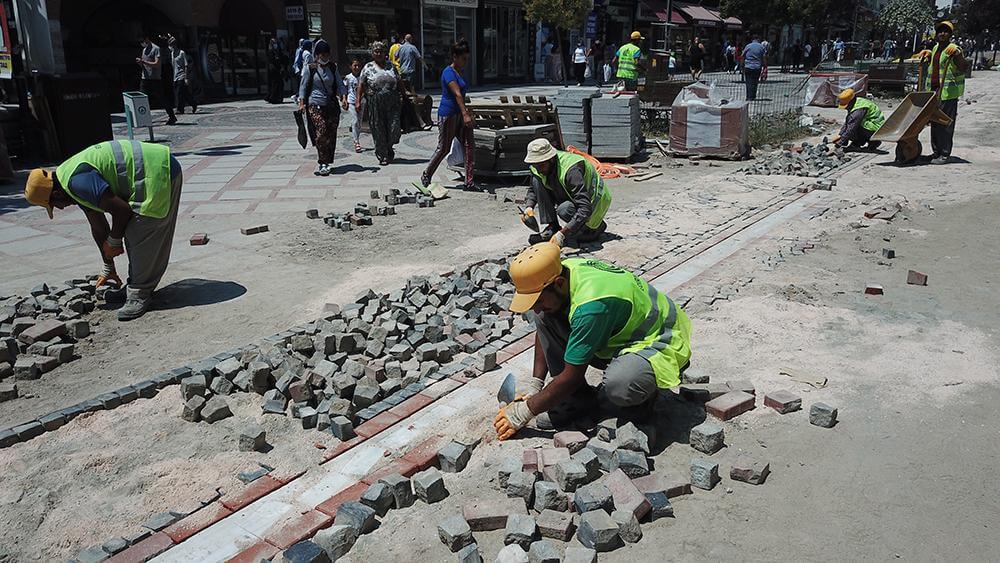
(457, 155)
(300, 123)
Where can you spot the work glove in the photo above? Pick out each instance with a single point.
(512, 418)
(532, 386)
(558, 239)
(109, 275)
(950, 50)
(113, 247)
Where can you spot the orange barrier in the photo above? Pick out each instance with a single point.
(607, 171)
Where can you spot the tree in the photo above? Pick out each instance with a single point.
(906, 16)
(978, 18)
(560, 14)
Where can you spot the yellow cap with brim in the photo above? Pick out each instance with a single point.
(946, 23)
(38, 189)
(532, 271)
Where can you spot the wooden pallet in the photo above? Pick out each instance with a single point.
(512, 112)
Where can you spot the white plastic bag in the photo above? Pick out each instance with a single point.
(586, 71)
(609, 72)
(457, 155)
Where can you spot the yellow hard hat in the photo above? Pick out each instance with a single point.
(845, 97)
(636, 35)
(38, 189)
(945, 23)
(531, 271)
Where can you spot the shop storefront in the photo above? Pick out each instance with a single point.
(444, 23)
(505, 45)
(376, 20)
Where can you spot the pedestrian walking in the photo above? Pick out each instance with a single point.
(696, 53)
(321, 94)
(807, 49)
(838, 48)
(558, 70)
(409, 60)
(628, 58)
(151, 77)
(754, 61)
(547, 59)
(796, 56)
(276, 62)
(888, 46)
(579, 63)
(730, 58)
(351, 82)
(596, 54)
(182, 83)
(379, 87)
(454, 118)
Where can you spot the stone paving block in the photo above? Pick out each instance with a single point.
(359, 517)
(93, 554)
(522, 485)
(47, 329)
(8, 392)
(544, 551)
(28, 430)
(783, 401)
(633, 463)
(693, 375)
(570, 474)
(51, 421)
(342, 427)
(26, 369)
(572, 440)
(521, 530)
(708, 437)
(507, 466)
(529, 461)
(303, 552)
(428, 485)
(379, 497)
(595, 496)
(628, 437)
(161, 520)
(604, 450)
(548, 496)
(401, 489)
(453, 457)
(555, 524)
(661, 507)
(598, 531)
(221, 386)
(215, 409)
(704, 392)
(114, 545)
(626, 495)
(744, 385)
(491, 514)
(822, 414)
(61, 352)
(512, 553)
(749, 470)
(455, 533)
(730, 405)
(192, 409)
(628, 526)
(669, 484)
(8, 438)
(578, 554)
(589, 460)
(336, 540)
(251, 476)
(914, 277)
(874, 289)
(704, 473)
(193, 385)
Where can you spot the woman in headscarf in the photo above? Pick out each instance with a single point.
(322, 92)
(379, 87)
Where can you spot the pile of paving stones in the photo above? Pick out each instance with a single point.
(357, 362)
(805, 159)
(363, 213)
(39, 332)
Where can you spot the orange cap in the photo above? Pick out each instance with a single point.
(532, 271)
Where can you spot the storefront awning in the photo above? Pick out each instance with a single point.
(733, 23)
(656, 10)
(699, 15)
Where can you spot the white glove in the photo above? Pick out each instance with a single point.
(519, 414)
(558, 239)
(533, 386)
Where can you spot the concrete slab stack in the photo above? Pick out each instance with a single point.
(574, 106)
(615, 131)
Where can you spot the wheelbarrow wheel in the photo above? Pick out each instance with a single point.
(907, 152)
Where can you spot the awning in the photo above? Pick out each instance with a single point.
(656, 10)
(699, 15)
(733, 23)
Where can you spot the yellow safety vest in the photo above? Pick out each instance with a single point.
(137, 172)
(657, 329)
(626, 61)
(953, 86)
(873, 118)
(600, 195)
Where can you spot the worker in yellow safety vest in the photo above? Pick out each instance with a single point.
(946, 69)
(563, 186)
(628, 59)
(863, 119)
(590, 313)
(139, 185)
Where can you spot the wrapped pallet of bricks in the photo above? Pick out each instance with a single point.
(704, 123)
(615, 127)
(502, 150)
(573, 105)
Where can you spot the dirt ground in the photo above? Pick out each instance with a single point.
(906, 474)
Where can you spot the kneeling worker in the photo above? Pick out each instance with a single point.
(564, 186)
(589, 313)
(139, 185)
(863, 119)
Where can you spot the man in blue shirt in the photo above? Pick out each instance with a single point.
(409, 57)
(754, 59)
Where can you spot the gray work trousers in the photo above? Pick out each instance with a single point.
(628, 379)
(943, 135)
(548, 211)
(148, 242)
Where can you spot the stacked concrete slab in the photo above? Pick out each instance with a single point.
(573, 105)
(502, 151)
(615, 130)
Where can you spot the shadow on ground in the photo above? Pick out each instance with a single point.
(195, 292)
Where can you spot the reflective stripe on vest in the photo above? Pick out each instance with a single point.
(138, 173)
(600, 195)
(626, 61)
(873, 116)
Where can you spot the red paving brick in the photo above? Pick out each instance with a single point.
(330, 505)
(627, 496)
(404, 468)
(730, 405)
(529, 461)
(411, 405)
(144, 550)
(424, 454)
(252, 492)
(441, 388)
(294, 530)
(194, 523)
(255, 553)
(461, 378)
(377, 424)
(518, 346)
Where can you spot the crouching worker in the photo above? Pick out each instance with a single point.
(564, 186)
(863, 119)
(589, 313)
(139, 185)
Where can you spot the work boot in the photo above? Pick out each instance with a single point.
(172, 120)
(425, 180)
(114, 295)
(583, 402)
(135, 306)
(940, 160)
(873, 145)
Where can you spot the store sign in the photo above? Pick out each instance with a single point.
(295, 13)
(590, 27)
(453, 3)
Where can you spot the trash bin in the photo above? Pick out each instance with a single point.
(77, 105)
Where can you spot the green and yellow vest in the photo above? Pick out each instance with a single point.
(137, 172)
(953, 86)
(600, 195)
(657, 329)
(873, 118)
(626, 61)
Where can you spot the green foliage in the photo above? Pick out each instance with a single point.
(906, 16)
(563, 14)
(976, 17)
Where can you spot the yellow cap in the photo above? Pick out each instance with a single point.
(636, 35)
(845, 97)
(38, 190)
(531, 271)
(945, 23)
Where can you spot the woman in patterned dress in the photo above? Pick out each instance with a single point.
(379, 86)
